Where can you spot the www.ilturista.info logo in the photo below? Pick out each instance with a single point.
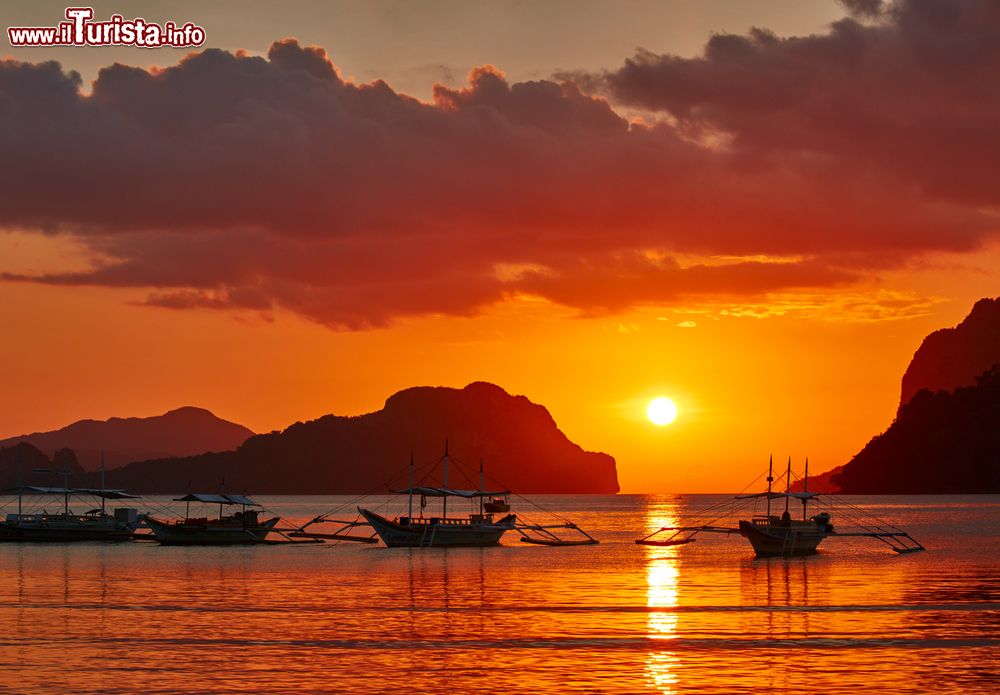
(79, 30)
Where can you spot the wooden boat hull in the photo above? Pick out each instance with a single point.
(438, 535)
(209, 534)
(778, 541)
(63, 533)
(65, 528)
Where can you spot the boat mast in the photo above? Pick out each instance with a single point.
(805, 490)
(770, 478)
(788, 483)
(444, 499)
(480, 487)
(20, 483)
(102, 483)
(66, 485)
(410, 510)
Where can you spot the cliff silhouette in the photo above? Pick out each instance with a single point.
(943, 425)
(180, 432)
(940, 442)
(822, 482)
(522, 447)
(954, 357)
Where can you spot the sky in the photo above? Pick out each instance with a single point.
(755, 209)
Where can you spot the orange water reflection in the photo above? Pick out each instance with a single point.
(662, 573)
(612, 618)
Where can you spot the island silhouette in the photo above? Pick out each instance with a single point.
(180, 432)
(519, 442)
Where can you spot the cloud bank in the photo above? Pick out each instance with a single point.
(238, 182)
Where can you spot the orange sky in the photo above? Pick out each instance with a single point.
(817, 382)
(801, 367)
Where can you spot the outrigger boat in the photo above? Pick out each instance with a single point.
(442, 531)
(481, 527)
(242, 527)
(67, 526)
(775, 536)
(420, 532)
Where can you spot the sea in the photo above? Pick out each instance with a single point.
(706, 617)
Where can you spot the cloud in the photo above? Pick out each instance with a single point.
(909, 98)
(235, 182)
(864, 9)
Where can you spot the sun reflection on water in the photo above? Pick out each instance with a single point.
(661, 598)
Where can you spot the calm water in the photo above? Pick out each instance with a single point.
(615, 618)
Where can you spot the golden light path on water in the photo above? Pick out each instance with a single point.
(661, 578)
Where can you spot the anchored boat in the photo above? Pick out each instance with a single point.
(484, 525)
(411, 532)
(771, 535)
(242, 527)
(474, 529)
(66, 525)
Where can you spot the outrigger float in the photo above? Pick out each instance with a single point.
(482, 526)
(779, 536)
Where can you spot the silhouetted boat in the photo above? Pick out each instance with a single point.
(417, 532)
(475, 529)
(480, 527)
(775, 536)
(66, 526)
(497, 505)
(242, 527)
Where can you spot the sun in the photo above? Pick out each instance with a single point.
(661, 411)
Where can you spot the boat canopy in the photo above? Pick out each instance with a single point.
(450, 492)
(216, 499)
(778, 495)
(96, 492)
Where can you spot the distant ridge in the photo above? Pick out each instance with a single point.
(23, 464)
(180, 432)
(519, 441)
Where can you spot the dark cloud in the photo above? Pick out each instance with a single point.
(864, 9)
(912, 98)
(238, 182)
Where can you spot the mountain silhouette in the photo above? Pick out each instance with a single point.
(24, 464)
(945, 434)
(521, 445)
(940, 442)
(954, 357)
(181, 432)
(821, 482)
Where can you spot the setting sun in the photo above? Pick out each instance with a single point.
(661, 411)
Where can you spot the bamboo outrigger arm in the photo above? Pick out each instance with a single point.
(542, 534)
(682, 534)
(340, 533)
(899, 541)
